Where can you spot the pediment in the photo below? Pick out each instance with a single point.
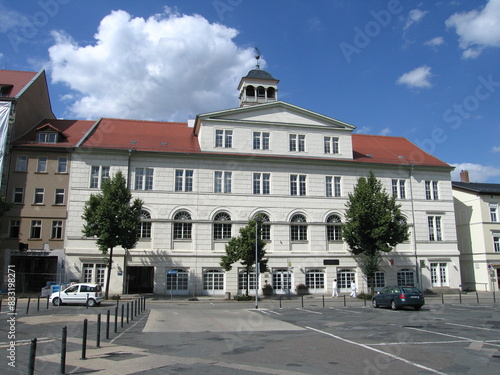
(276, 114)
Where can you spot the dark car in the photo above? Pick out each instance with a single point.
(399, 296)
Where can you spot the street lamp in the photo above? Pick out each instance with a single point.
(257, 221)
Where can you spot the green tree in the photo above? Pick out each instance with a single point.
(4, 206)
(242, 249)
(373, 225)
(112, 218)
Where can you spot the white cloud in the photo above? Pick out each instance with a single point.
(385, 131)
(477, 172)
(363, 130)
(167, 67)
(415, 16)
(434, 42)
(477, 29)
(496, 149)
(417, 78)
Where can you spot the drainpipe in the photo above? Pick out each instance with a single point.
(125, 273)
(417, 268)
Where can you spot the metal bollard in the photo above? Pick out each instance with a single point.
(121, 323)
(302, 301)
(0, 305)
(28, 306)
(48, 302)
(144, 303)
(84, 339)
(477, 297)
(98, 340)
(280, 302)
(31, 364)
(460, 296)
(107, 325)
(132, 310)
(116, 319)
(38, 304)
(62, 369)
(344, 301)
(494, 298)
(442, 298)
(127, 312)
(323, 300)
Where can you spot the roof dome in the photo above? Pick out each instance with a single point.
(259, 74)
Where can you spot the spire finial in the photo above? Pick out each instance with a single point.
(257, 56)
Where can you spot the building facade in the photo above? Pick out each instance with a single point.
(477, 210)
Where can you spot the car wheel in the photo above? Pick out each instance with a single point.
(56, 301)
(91, 302)
(393, 305)
(374, 303)
(418, 307)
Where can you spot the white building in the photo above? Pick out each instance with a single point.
(202, 181)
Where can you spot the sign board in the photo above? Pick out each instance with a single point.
(331, 262)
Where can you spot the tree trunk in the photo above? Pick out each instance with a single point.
(108, 276)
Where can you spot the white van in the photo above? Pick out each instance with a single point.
(90, 294)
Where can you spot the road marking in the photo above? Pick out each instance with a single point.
(132, 326)
(266, 311)
(466, 326)
(309, 311)
(341, 309)
(378, 351)
(419, 343)
(40, 340)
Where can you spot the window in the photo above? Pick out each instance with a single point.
(224, 138)
(47, 137)
(398, 188)
(18, 195)
(298, 228)
(41, 166)
(14, 228)
(144, 226)
(297, 142)
(439, 274)
(260, 141)
(434, 223)
(36, 229)
(222, 182)
(315, 280)
(379, 279)
(62, 165)
(496, 244)
(183, 180)
(177, 280)
(245, 279)
(182, 226)
(94, 273)
(144, 178)
(59, 199)
(261, 183)
(494, 213)
(38, 196)
(333, 186)
(57, 226)
(331, 145)
(213, 280)
(406, 277)
(282, 280)
(222, 226)
(431, 190)
(98, 175)
(265, 226)
(22, 164)
(297, 184)
(333, 224)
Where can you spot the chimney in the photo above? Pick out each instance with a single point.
(464, 176)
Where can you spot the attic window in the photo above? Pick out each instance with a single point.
(5, 90)
(47, 137)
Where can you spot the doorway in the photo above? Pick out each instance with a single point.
(140, 280)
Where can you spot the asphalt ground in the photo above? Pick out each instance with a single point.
(297, 336)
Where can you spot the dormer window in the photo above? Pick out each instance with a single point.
(5, 90)
(47, 137)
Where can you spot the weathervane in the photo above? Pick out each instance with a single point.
(257, 56)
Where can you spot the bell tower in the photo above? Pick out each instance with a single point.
(258, 86)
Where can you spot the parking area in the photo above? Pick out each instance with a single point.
(280, 337)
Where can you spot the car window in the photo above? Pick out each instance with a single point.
(84, 288)
(395, 290)
(72, 289)
(411, 289)
(384, 291)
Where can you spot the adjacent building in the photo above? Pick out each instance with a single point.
(477, 210)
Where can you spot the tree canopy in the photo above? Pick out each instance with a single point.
(242, 249)
(373, 224)
(4, 206)
(112, 219)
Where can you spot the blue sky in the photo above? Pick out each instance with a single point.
(426, 71)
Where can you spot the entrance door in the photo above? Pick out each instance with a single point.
(213, 282)
(177, 281)
(498, 278)
(140, 279)
(344, 278)
(439, 274)
(282, 281)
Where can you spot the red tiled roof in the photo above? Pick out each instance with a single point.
(143, 136)
(17, 79)
(71, 130)
(391, 150)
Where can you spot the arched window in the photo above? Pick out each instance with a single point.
(222, 226)
(315, 280)
(333, 224)
(144, 226)
(182, 226)
(245, 279)
(261, 92)
(177, 280)
(213, 280)
(344, 278)
(265, 226)
(298, 228)
(406, 277)
(271, 92)
(250, 91)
